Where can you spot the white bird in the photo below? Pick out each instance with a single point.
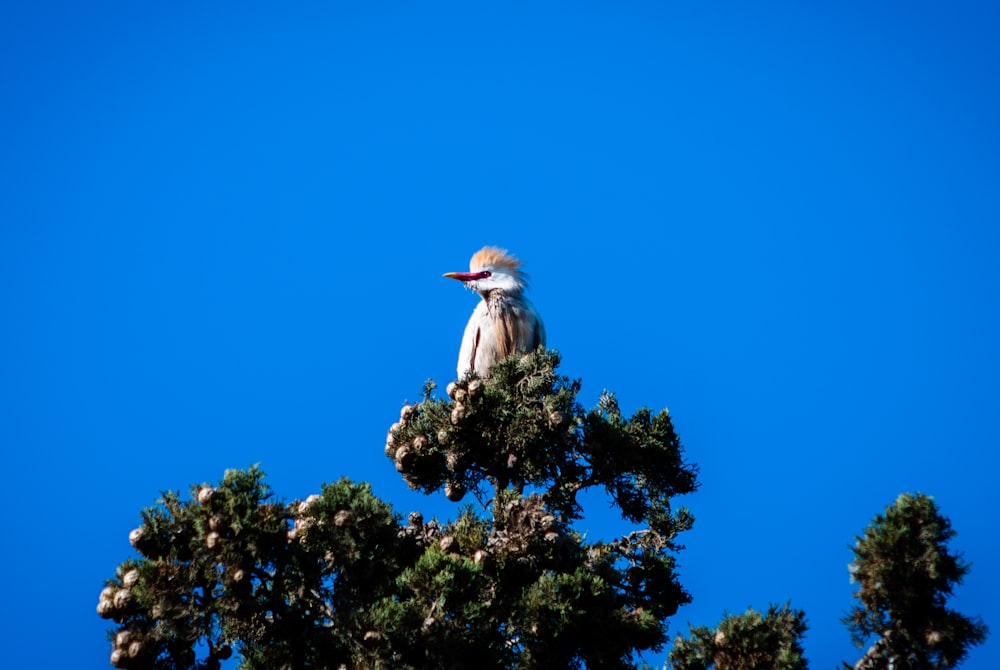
(505, 321)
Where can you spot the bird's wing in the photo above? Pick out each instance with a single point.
(517, 327)
(532, 334)
(539, 334)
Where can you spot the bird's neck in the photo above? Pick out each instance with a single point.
(496, 300)
(493, 294)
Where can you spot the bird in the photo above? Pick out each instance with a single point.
(504, 321)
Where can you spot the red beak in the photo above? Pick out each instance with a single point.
(467, 276)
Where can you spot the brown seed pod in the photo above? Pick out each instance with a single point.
(105, 608)
(454, 491)
(403, 458)
(122, 599)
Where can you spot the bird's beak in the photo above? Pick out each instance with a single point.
(465, 276)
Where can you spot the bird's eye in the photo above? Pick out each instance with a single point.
(487, 273)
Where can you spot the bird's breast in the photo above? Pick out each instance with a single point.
(500, 326)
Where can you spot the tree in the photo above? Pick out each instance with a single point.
(905, 575)
(745, 642)
(341, 580)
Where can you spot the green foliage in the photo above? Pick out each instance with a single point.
(522, 426)
(748, 641)
(232, 566)
(905, 575)
(340, 580)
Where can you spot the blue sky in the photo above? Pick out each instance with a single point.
(223, 228)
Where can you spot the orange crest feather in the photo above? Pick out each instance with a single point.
(497, 258)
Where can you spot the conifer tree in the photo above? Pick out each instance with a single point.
(905, 575)
(340, 580)
(748, 641)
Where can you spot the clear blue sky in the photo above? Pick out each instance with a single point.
(223, 228)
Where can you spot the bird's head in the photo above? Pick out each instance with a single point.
(492, 269)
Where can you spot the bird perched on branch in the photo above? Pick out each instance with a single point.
(505, 321)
